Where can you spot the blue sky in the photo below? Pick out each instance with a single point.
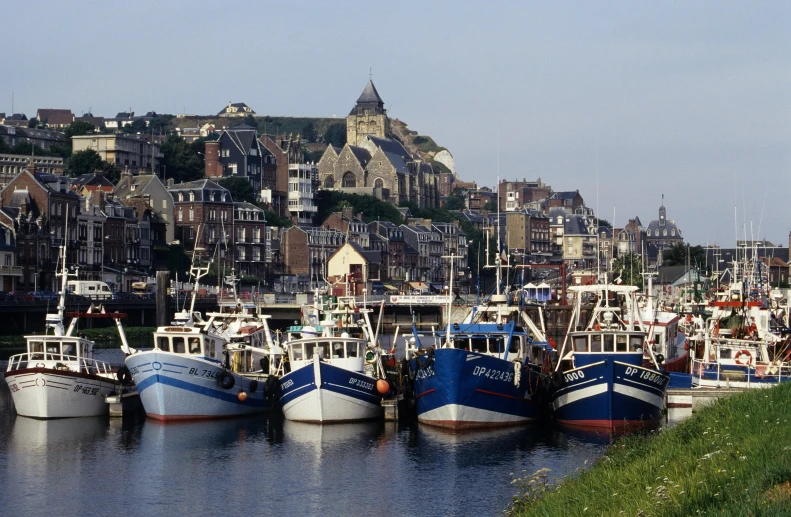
(624, 101)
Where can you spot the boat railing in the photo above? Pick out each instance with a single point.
(761, 372)
(58, 362)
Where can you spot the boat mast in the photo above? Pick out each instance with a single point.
(450, 296)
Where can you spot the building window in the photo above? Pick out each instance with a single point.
(329, 182)
(192, 214)
(349, 181)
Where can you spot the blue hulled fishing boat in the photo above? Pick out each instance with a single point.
(607, 376)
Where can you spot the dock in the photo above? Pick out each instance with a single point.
(125, 404)
(696, 398)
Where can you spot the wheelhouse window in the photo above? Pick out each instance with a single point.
(53, 350)
(194, 343)
(297, 353)
(478, 345)
(209, 345)
(320, 349)
(36, 350)
(620, 343)
(496, 346)
(609, 346)
(596, 343)
(581, 344)
(352, 350)
(337, 350)
(163, 343)
(636, 343)
(179, 346)
(69, 350)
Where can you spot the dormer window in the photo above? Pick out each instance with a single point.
(192, 196)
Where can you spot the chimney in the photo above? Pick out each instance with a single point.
(347, 212)
(97, 198)
(212, 155)
(126, 179)
(169, 183)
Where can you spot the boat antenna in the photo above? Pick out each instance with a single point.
(450, 295)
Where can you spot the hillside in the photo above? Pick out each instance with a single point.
(316, 133)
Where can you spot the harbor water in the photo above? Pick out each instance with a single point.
(264, 465)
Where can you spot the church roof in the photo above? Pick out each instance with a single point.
(397, 162)
(389, 146)
(369, 100)
(362, 154)
(370, 94)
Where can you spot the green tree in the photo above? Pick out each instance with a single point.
(240, 189)
(183, 161)
(89, 161)
(491, 206)
(250, 121)
(160, 124)
(335, 135)
(454, 202)
(137, 126)
(682, 254)
(79, 127)
(4, 147)
(629, 268)
(602, 222)
(309, 132)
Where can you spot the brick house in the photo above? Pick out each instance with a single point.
(249, 230)
(238, 153)
(202, 205)
(350, 225)
(287, 151)
(305, 251)
(37, 205)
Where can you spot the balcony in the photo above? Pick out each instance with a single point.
(11, 271)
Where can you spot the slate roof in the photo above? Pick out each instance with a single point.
(389, 146)
(577, 225)
(244, 138)
(140, 181)
(669, 274)
(397, 162)
(362, 155)
(373, 257)
(202, 189)
(569, 194)
(17, 116)
(370, 95)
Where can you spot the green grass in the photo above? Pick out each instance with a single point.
(732, 458)
(101, 335)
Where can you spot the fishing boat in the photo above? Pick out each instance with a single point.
(668, 341)
(483, 372)
(58, 376)
(741, 345)
(334, 372)
(219, 367)
(608, 376)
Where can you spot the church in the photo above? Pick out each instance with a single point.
(373, 162)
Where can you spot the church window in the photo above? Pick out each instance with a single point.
(329, 182)
(349, 181)
(664, 232)
(379, 183)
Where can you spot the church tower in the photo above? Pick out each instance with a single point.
(368, 117)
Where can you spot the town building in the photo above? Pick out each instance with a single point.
(350, 225)
(37, 206)
(12, 164)
(236, 109)
(203, 214)
(249, 229)
(150, 187)
(296, 181)
(517, 195)
(354, 271)
(374, 164)
(55, 118)
(305, 251)
(133, 152)
(237, 153)
(660, 235)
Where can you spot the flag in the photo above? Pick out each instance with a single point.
(503, 255)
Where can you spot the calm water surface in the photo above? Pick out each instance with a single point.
(264, 465)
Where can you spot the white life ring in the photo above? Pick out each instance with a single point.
(743, 354)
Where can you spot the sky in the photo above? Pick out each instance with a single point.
(625, 101)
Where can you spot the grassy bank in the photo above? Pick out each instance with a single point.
(100, 335)
(733, 458)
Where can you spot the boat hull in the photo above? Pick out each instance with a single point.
(178, 387)
(611, 395)
(47, 393)
(458, 389)
(322, 393)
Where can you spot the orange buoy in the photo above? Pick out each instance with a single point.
(242, 396)
(382, 387)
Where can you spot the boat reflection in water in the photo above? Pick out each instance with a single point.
(41, 437)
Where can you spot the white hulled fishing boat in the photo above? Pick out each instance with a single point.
(58, 376)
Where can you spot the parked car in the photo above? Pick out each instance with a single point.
(44, 295)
